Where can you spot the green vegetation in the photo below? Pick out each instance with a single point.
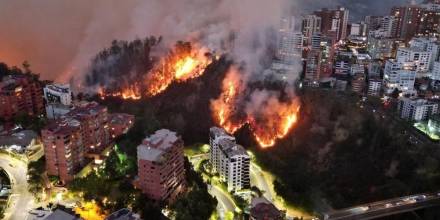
(36, 177)
(110, 188)
(196, 204)
(29, 122)
(423, 127)
(343, 150)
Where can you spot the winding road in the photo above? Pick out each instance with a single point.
(21, 200)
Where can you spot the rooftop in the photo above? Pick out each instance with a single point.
(230, 148)
(22, 138)
(154, 146)
(217, 132)
(262, 209)
(123, 214)
(91, 108)
(63, 88)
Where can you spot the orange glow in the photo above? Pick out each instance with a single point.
(223, 107)
(177, 66)
(131, 92)
(90, 211)
(273, 121)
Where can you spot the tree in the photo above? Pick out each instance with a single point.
(147, 208)
(36, 172)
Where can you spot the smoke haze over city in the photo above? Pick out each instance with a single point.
(59, 38)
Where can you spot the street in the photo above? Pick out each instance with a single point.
(21, 200)
(386, 207)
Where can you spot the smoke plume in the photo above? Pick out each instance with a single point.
(59, 38)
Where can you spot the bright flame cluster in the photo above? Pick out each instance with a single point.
(175, 68)
(270, 122)
(172, 68)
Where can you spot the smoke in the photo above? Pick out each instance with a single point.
(59, 38)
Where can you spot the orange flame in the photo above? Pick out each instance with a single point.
(131, 92)
(177, 66)
(271, 122)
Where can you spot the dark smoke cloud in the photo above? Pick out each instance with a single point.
(59, 37)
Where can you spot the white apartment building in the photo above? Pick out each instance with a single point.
(290, 42)
(58, 100)
(435, 72)
(416, 57)
(229, 160)
(342, 67)
(397, 76)
(374, 86)
(416, 109)
(58, 93)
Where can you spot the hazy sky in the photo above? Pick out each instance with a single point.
(54, 35)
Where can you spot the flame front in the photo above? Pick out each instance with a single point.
(268, 122)
(179, 65)
(224, 106)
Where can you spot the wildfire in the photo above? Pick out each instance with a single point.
(185, 62)
(176, 68)
(225, 105)
(269, 120)
(131, 92)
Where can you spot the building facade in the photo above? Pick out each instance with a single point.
(229, 160)
(161, 172)
(63, 148)
(396, 76)
(20, 94)
(416, 109)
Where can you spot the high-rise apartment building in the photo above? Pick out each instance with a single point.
(95, 128)
(229, 160)
(408, 19)
(416, 109)
(63, 148)
(290, 42)
(161, 172)
(313, 67)
(334, 23)
(397, 76)
(311, 25)
(20, 94)
(417, 58)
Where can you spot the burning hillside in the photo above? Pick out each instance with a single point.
(269, 113)
(268, 117)
(183, 63)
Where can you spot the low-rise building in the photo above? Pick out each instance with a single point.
(20, 142)
(120, 123)
(161, 172)
(229, 160)
(262, 209)
(123, 214)
(58, 100)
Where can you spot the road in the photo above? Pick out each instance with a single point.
(258, 180)
(386, 207)
(223, 199)
(225, 203)
(21, 200)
